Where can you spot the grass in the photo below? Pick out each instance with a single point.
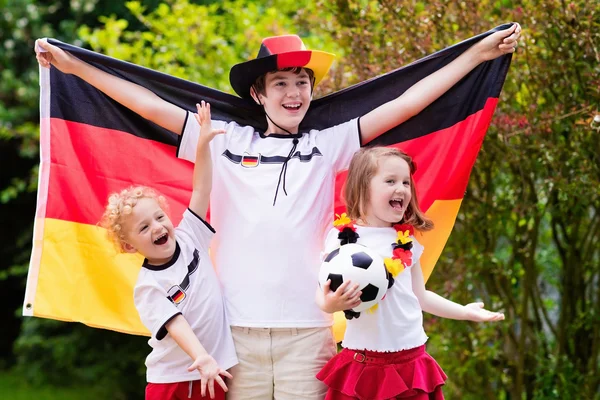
(15, 387)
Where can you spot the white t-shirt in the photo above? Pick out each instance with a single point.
(397, 323)
(185, 285)
(268, 256)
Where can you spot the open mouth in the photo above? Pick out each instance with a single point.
(292, 106)
(397, 204)
(162, 239)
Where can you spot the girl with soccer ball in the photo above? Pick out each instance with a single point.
(383, 354)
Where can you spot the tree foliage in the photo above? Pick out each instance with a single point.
(527, 238)
(199, 43)
(21, 21)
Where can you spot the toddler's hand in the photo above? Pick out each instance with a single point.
(203, 118)
(209, 373)
(344, 298)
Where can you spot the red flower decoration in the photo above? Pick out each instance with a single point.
(342, 227)
(404, 228)
(403, 255)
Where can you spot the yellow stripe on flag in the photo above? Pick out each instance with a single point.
(443, 213)
(83, 279)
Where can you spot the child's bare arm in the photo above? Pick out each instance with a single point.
(437, 305)
(210, 372)
(203, 166)
(137, 98)
(430, 88)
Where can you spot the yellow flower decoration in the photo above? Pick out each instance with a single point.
(394, 266)
(373, 308)
(404, 237)
(341, 220)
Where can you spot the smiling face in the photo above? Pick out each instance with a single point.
(380, 189)
(149, 231)
(390, 193)
(286, 98)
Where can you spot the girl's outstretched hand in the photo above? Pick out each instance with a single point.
(476, 312)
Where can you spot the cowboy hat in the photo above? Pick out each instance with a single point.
(277, 53)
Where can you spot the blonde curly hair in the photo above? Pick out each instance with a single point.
(120, 206)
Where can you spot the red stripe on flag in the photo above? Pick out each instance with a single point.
(102, 161)
(88, 163)
(444, 159)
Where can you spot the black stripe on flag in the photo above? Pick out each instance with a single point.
(465, 98)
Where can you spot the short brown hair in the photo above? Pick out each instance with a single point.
(363, 168)
(259, 84)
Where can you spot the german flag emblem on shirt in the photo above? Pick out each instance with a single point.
(176, 294)
(250, 161)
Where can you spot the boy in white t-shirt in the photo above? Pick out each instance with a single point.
(177, 293)
(273, 197)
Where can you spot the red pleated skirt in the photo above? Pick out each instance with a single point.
(369, 375)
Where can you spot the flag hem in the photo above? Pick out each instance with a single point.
(42, 197)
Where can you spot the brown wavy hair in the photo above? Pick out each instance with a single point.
(363, 168)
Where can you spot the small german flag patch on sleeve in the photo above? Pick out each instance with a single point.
(176, 294)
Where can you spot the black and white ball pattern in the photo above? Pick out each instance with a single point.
(360, 265)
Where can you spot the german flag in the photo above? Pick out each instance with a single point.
(249, 161)
(176, 294)
(92, 146)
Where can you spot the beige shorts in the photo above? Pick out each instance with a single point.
(280, 363)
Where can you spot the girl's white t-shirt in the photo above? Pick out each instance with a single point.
(397, 323)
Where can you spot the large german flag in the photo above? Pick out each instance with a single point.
(92, 146)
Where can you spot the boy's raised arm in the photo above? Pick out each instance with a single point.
(430, 88)
(202, 183)
(135, 97)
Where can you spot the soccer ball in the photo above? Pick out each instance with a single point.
(360, 265)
